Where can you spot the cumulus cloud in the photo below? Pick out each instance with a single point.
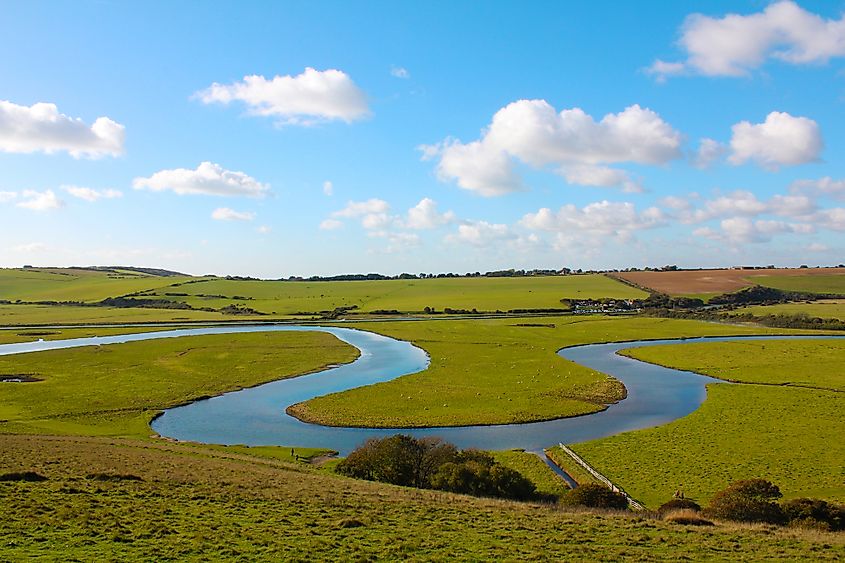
(739, 203)
(41, 128)
(264, 230)
(600, 176)
(735, 44)
(227, 214)
(745, 230)
(780, 140)
(399, 72)
(481, 233)
(709, 151)
(424, 215)
(330, 224)
(90, 194)
(7, 196)
(599, 219)
(571, 141)
(40, 201)
(397, 241)
(207, 179)
(823, 187)
(308, 98)
(328, 188)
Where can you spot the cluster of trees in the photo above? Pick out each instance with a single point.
(430, 463)
(756, 500)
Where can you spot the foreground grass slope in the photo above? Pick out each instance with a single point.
(116, 389)
(783, 423)
(193, 505)
(497, 371)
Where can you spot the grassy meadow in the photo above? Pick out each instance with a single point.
(826, 309)
(782, 423)
(497, 371)
(115, 390)
(483, 294)
(194, 504)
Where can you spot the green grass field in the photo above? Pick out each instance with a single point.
(826, 309)
(196, 505)
(535, 469)
(483, 294)
(496, 371)
(29, 315)
(71, 284)
(115, 390)
(833, 284)
(769, 428)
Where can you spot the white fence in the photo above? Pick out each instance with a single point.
(601, 478)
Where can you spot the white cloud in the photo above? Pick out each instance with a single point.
(7, 196)
(532, 132)
(89, 194)
(745, 230)
(780, 140)
(226, 214)
(311, 97)
(396, 241)
(30, 247)
(739, 203)
(600, 176)
(330, 224)
(599, 219)
(41, 128)
(817, 247)
(373, 214)
(424, 215)
(264, 230)
(399, 72)
(709, 151)
(833, 219)
(481, 233)
(826, 186)
(328, 188)
(40, 201)
(362, 208)
(475, 166)
(736, 44)
(207, 179)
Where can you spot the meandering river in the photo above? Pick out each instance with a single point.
(256, 416)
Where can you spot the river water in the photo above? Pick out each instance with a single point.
(256, 416)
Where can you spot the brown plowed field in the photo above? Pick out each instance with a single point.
(689, 282)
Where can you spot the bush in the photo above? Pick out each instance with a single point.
(814, 513)
(679, 504)
(430, 463)
(751, 500)
(594, 495)
(30, 476)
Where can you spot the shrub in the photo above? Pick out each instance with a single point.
(679, 504)
(814, 513)
(686, 517)
(594, 495)
(430, 463)
(751, 500)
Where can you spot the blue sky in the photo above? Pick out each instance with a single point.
(456, 136)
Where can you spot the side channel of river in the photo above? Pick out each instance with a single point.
(256, 416)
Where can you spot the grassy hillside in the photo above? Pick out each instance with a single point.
(483, 294)
(769, 427)
(116, 389)
(74, 284)
(194, 504)
(497, 371)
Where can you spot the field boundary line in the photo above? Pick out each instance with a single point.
(595, 473)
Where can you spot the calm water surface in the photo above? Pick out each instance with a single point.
(256, 416)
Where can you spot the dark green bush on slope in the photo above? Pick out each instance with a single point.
(814, 513)
(751, 500)
(430, 463)
(594, 495)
